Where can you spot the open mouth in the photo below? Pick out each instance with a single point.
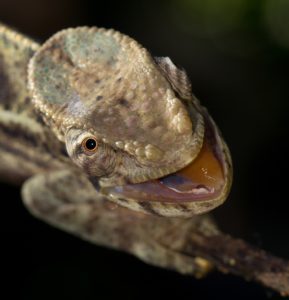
(203, 179)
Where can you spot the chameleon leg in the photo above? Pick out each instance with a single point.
(67, 200)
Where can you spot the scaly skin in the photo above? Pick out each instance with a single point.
(93, 83)
(59, 192)
(71, 197)
(27, 146)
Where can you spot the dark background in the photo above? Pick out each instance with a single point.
(237, 56)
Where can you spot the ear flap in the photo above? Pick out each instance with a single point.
(178, 78)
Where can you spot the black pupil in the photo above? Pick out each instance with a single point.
(90, 144)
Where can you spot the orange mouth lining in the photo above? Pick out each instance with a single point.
(203, 179)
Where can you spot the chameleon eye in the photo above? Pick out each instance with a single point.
(89, 144)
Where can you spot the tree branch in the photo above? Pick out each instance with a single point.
(235, 256)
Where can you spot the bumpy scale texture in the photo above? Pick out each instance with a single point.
(105, 82)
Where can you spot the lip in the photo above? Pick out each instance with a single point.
(202, 180)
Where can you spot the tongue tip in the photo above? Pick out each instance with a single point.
(203, 190)
(182, 185)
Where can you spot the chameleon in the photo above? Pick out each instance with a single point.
(110, 144)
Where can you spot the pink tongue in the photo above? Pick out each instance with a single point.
(171, 188)
(180, 184)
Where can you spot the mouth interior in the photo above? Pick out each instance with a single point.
(203, 179)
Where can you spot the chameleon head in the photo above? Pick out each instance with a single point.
(130, 122)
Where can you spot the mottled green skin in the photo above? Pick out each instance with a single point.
(101, 84)
(91, 82)
(15, 53)
(60, 194)
(105, 83)
(27, 145)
